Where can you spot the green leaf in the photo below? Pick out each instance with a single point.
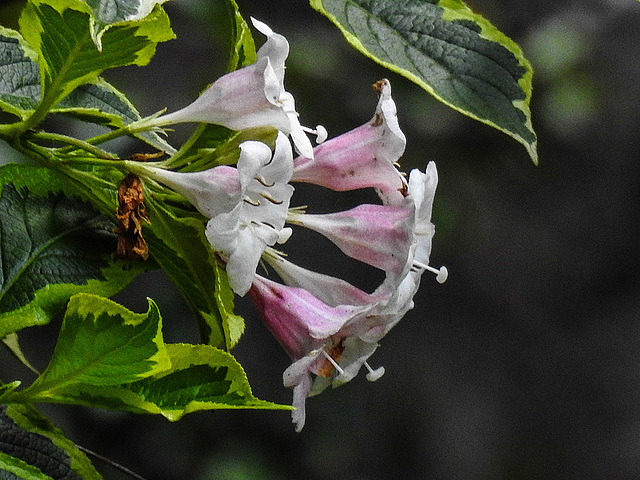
(180, 247)
(201, 378)
(233, 324)
(13, 468)
(100, 102)
(12, 343)
(52, 247)
(243, 50)
(32, 448)
(19, 76)
(96, 101)
(101, 343)
(109, 357)
(453, 53)
(61, 34)
(8, 387)
(114, 11)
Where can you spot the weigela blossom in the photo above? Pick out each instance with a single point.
(250, 97)
(330, 342)
(362, 158)
(329, 327)
(247, 206)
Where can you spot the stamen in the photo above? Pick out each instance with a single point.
(334, 363)
(255, 203)
(263, 182)
(441, 273)
(272, 200)
(264, 223)
(374, 375)
(320, 132)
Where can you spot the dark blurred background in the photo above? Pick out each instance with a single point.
(526, 363)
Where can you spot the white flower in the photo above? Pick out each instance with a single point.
(257, 221)
(246, 206)
(250, 97)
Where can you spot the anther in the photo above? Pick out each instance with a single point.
(255, 203)
(272, 200)
(263, 182)
(441, 273)
(334, 363)
(374, 375)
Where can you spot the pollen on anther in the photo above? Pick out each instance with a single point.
(272, 200)
(263, 182)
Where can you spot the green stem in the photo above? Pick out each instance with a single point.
(81, 144)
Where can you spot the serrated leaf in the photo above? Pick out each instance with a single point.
(453, 53)
(114, 11)
(12, 468)
(52, 247)
(109, 357)
(100, 102)
(100, 343)
(60, 32)
(19, 76)
(32, 448)
(96, 101)
(201, 377)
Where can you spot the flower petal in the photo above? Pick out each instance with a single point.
(361, 158)
(379, 235)
(212, 191)
(297, 319)
(331, 290)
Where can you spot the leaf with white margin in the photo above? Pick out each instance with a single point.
(96, 101)
(32, 448)
(456, 55)
(62, 33)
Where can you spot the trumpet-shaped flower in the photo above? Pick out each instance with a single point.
(304, 326)
(246, 206)
(250, 97)
(378, 235)
(362, 158)
(257, 221)
(331, 342)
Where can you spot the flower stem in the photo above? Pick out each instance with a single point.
(74, 142)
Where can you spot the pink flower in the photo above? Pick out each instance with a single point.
(250, 97)
(378, 235)
(305, 327)
(329, 327)
(362, 158)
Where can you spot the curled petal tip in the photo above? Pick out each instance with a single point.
(262, 27)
